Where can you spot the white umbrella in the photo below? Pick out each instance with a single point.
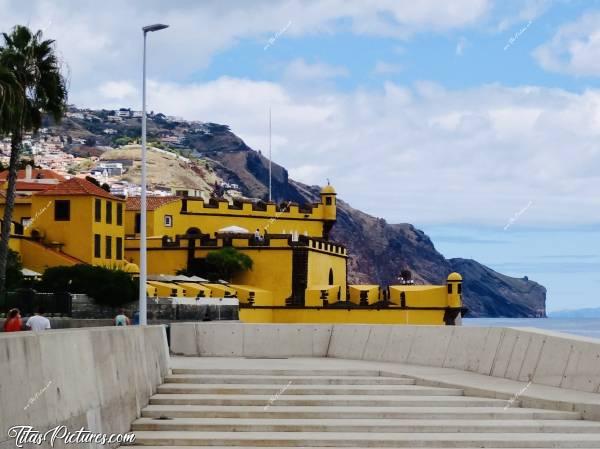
(233, 230)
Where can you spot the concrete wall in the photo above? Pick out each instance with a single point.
(235, 339)
(97, 378)
(546, 358)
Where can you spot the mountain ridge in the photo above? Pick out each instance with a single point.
(378, 250)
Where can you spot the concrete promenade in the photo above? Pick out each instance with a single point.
(245, 385)
(325, 402)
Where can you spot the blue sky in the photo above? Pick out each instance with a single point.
(452, 116)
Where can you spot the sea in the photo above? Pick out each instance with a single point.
(587, 327)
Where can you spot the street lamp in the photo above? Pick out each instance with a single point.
(143, 318)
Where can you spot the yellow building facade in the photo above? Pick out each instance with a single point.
(298, 274)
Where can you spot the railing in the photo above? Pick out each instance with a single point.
(28, 301)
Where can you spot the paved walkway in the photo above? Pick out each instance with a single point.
(324, 402)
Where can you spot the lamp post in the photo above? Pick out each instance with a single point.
(143, 320)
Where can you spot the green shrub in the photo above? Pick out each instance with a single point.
(227, 262)
(219, 264)
(107, 286)
(14, 277)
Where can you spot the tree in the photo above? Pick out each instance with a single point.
(10, 99)
(14, 276)
(40, 88)
(93, 180)
(107, 286)
(220, 264)
(225, 263)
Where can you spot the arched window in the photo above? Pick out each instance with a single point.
(193, 231)
(330, 276)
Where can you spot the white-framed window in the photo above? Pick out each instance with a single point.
(169, 221)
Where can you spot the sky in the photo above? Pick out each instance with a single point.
(476, 120)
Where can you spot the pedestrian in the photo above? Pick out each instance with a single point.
(136, 317)
(38, 322)
(121, 319)
(13, 321)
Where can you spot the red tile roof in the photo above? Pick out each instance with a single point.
(33, 186)
(152, 202)
(36, 173)
(77, 186)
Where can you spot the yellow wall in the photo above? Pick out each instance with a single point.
(261, 297)
(313, 296)
(455, 298)
(167, 289)
(21, 210)
(372, 293)
(271, 270)
(329, 210)
(368, 316)
(195, 290)
(319, 264)
(75, 234)
(37, 257)
(210, 220)
(113, 230)
(160, 261)
(420, 295)
(155, 221)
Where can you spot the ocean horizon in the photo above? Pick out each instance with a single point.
(587, 327)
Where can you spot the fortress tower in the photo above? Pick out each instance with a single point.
(329, 208)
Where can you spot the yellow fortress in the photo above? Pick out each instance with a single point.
(298, 274)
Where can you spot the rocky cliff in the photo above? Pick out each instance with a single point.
(379, 250)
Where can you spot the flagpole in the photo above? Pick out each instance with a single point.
(270, 158)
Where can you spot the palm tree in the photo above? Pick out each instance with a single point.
(10, 98)
(30, 67)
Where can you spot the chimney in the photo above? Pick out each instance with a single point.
(28, 172)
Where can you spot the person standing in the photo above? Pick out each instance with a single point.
(38, 322)
(13, 322)
(121, 319)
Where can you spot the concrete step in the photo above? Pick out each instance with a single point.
(278, 372)
(326, 401)
(283, 380)
(256, 447)
(315, 412)
(403, 390)
(380, 440)
(365, 425)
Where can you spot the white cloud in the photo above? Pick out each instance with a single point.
(461, 45)
(299, 71)
(418, 153)
(386, 68)
(529, 11)
(117, 90)
(574, 49)
(310, 173)
(422, 153)
(101, 41)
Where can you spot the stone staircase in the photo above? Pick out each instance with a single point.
(279, 408)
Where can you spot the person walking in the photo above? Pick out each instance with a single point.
(121, 319)
(38, 322)
(13, 322)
